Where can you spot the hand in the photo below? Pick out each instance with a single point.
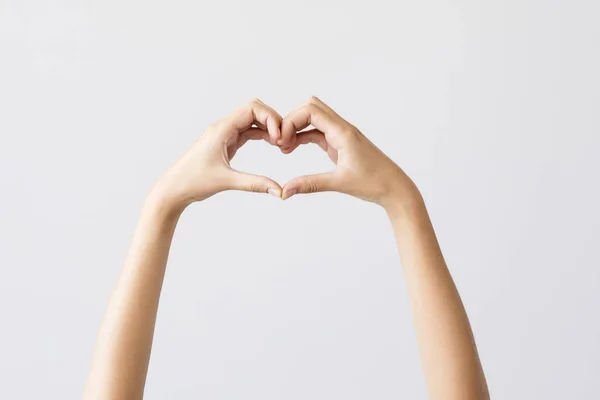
(205, 170)
(362, 170)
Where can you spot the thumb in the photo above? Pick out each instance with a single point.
(255, 183)
(309, 184)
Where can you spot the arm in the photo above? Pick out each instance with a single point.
(122, 352)
(448, 353)
(123, 347)
(446, 344)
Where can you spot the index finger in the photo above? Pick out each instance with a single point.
(255, 112)
(311, 114)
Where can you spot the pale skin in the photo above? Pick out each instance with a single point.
(447, 348)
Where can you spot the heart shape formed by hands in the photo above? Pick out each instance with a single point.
(287, 134)
(362, 170)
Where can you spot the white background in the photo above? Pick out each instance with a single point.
(491, 107)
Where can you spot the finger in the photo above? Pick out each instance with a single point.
(307, 114)
(305, 137)
(274, 125)
(310, 184)
(311, 113)
(324, 106)
(254, 183)
(256, 112)
(252, 134)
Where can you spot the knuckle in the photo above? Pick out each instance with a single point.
(349, 130)
(310, 107)
(309, 101)
(354, 129)
(244, 111)
(311, 187)
(256, 187)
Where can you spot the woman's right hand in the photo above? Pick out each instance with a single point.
(362, 170)
(205, 170)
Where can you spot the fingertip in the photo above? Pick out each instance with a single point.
(274, 131)
(290, 142)
(287, 133)
(278, 133)
(274, 192)
(287, 149)
(287, 193)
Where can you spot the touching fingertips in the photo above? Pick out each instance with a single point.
(274, 192)
(284, 141)
(289, 193)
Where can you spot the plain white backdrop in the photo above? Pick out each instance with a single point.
(493, 108)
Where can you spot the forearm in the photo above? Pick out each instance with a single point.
(124, 342)
(448, 353)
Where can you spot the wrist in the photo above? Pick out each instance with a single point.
(162, 204)
(403, 199)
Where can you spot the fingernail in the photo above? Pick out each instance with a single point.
(274, 193)
(289, 193)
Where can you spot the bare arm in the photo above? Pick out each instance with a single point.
(123, 347)
(447, 347)
(448, 353)
(122, 352)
